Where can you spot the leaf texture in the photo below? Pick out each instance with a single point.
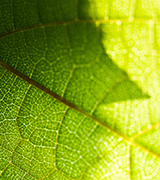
(90, 108)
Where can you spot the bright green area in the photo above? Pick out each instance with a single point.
(103, 56)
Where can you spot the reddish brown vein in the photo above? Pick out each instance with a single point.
(74, 107)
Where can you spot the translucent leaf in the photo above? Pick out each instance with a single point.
(79, 90)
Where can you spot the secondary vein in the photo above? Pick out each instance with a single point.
(78, 21)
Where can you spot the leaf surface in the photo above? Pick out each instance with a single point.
(90, 108)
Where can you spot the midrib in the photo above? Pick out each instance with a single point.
(76, 108)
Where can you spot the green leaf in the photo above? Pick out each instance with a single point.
(80, 90)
